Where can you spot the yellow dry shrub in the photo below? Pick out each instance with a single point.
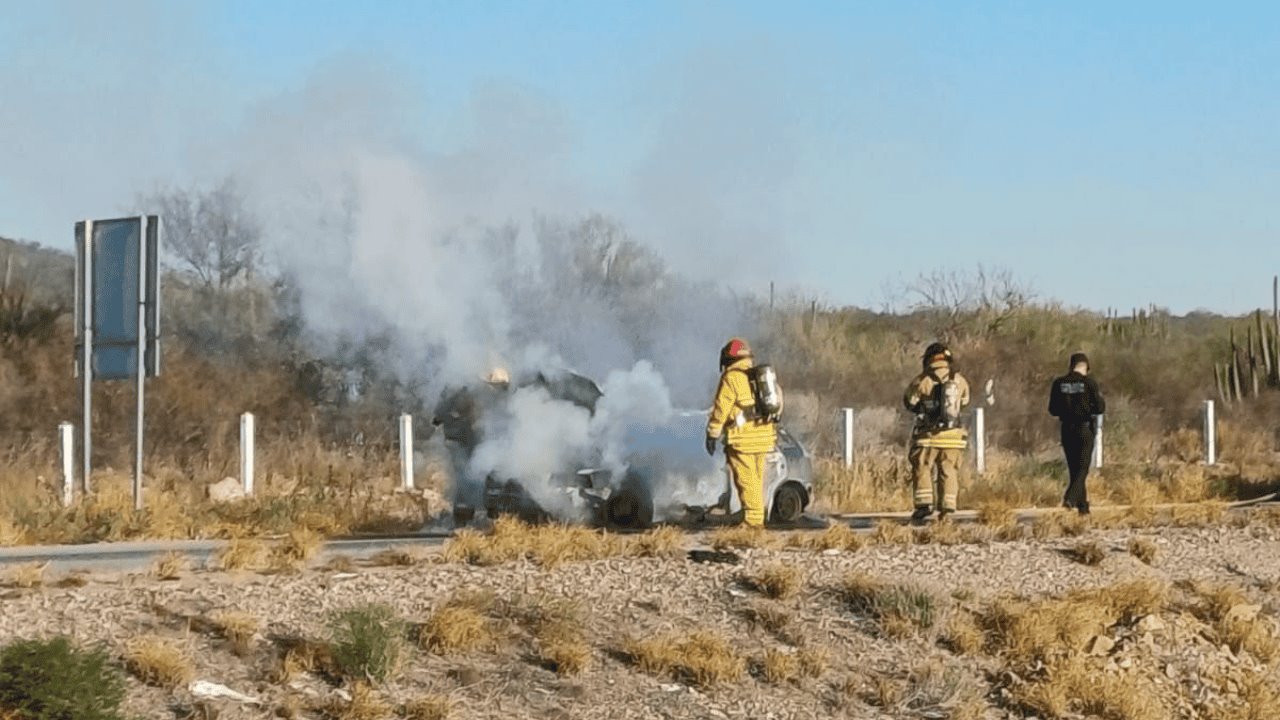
(741, 537)
(661, 542)
(777, 581)
(159, 662)
(838, 536)
(430, 707)
(1144, 549)
(888, 532)
(702, 657)
(779, 666)
(459, 626)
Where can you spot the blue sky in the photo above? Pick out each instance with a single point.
(1108, 154)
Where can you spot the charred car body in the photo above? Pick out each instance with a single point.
(667, 477)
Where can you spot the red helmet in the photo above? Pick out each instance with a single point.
(733, 351)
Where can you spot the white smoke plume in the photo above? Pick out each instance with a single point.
(446, 256)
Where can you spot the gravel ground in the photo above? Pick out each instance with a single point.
(621, 597)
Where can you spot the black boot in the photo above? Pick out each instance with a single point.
(921, 514)
(1083, 508)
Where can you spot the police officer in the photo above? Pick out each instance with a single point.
(748, 438)
(1076, 401)
(938, 440)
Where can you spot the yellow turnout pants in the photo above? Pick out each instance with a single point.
(947, 462)
(748, 478)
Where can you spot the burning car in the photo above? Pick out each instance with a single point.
(663, 476)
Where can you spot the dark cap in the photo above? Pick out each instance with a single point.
(1078, 358)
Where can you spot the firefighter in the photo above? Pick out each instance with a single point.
(748, 437)
(1076, 401)
(938, 439)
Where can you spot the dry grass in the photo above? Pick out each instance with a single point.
(838, 536)
(237, 627)
(546, 545)
(702, 657)
(365, 704)
(1258, 700)
(1001, 519)
(777, 581)
(1088, 552)
(932, 689)
(660, 542)
(1236, 622)
(245, 554)
(813, 661)
(459, 626)
(963, 634)
(298, 548)
(395, 557)
(160, 662)
(1075, 686)
(945, 532)
(1059, 523)
(26, 575)
(774, 619)
(557, 627)
(170, 566)
(429, 707)
(900, 610)
(1144, 549)
(1200, 514)
(1046, 631)
(889, 532)
(779, 666)
(11, 534)
(742, 537)
(306, 657)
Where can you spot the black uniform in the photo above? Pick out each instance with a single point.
(1075, 400)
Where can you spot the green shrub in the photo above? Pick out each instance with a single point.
(53, 680)
(368, 641)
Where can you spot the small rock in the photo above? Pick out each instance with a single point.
(673, 687)
(1100, 645)
(226, 490)
(1242, 613)
(1150, 624)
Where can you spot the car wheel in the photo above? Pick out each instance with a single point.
(788, 504)
(630, 508)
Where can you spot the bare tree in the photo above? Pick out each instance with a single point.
(981, 301)
(209, 233)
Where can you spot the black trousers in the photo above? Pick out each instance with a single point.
(1077, 444)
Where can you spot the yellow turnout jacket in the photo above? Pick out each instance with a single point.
(919, 394)
(733, 413)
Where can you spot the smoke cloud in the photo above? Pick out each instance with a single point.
(493, 252)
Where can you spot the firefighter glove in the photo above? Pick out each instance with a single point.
(711, 445)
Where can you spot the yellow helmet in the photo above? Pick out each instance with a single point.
(498, 376)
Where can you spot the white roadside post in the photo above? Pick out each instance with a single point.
(1097, 442)
(980, 439)
(246, 453)
(1210, 434)
(406, 451)
(847, 414)
(67, 445)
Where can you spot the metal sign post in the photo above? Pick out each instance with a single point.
(118, 317)
(847, 415)
(980, 440)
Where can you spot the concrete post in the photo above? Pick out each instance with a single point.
(1097, 442)
(67, 447)
(980, 439)
(1210, 434)
(246, 453)
(847, 415)
(406, 451)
